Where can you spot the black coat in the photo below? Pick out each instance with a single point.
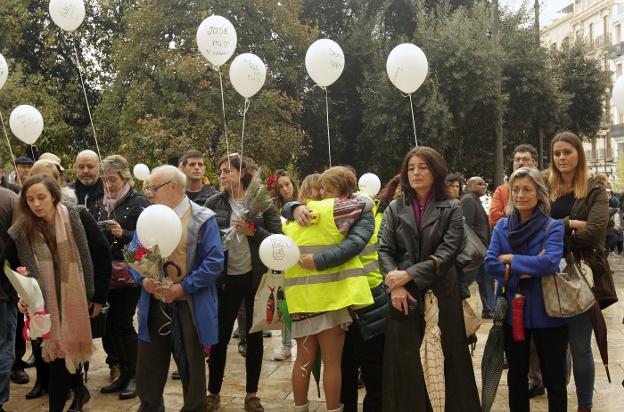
(89, 196)
(204, 194)
(476, 217)
(406, 247)
(126, 213)
(266, 225)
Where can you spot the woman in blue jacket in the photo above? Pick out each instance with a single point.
(532, 243)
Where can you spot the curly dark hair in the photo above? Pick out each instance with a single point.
(437, 166)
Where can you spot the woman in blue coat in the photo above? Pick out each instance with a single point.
(532, 243)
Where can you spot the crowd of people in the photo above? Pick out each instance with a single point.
(356, 296)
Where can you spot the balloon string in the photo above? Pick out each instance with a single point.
(32, 152)
(242, 142)
(327, 119)
(227, 144)
(10, 149)
(84, 91)
(413, 120)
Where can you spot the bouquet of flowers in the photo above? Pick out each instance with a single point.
(38, 323)
(146, 262)
(257, 200)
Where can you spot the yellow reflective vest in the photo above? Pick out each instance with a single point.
(338, 287)
(369, 256)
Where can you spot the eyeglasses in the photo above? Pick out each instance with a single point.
(523, 159)
(154, 189)
(526, 191)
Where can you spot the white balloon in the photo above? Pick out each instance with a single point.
(279, 252)
(407, 67)
(141, 171)
(67, 14)
(4, 71)
(159, 225)
(618, 94)
(369, 183)
(216, 39)
(26, 123)
(324, 62)
(247, 74)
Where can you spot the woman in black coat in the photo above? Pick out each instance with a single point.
(242, 273)
(117, 218)
(422, 235)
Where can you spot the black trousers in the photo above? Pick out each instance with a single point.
(369, 356)
(551, 345)
(59, 384)
(237, 288)
(123, 303)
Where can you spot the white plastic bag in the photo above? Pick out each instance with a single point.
(266, 314)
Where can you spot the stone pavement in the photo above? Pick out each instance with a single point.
(275, 388)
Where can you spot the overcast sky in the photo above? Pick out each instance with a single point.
(549, 8)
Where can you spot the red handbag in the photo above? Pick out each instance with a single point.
(120, 276)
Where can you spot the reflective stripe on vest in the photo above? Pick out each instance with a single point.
(323, 290)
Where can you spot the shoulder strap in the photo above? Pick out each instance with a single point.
(550, 223)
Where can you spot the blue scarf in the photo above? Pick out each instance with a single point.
(519, 234)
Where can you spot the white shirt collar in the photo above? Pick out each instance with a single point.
(182, 207)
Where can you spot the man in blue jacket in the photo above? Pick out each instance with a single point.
(190, 303)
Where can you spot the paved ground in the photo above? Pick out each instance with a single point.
(275, 389)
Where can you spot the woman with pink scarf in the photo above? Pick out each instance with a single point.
(61, 246)
(117, 219)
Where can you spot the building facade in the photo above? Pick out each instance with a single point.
(600, 23)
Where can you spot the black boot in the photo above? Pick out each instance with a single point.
(130, 345)
(43, 374)
(81, 394)
(120, 383)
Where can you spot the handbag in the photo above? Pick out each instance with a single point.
(604, 288)
(568, 293)
(473, 250)
(98, 324)
(120, 276)
(371, 320)
(471, 321)
(266, 313)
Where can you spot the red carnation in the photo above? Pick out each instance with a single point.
(138, 255)
(271, 180)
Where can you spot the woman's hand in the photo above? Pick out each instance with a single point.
(306, 261)
(397, 278)
(115, 228)
(22, 306)
(577, 224)
(303, 215)
(243, 227)
(506, 259)
(401, 298)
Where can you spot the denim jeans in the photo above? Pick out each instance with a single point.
(286, 338)
(486, 287)
(8, 318)
(579, 335)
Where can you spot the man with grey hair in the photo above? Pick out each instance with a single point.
(88, 185)
(190, 304)
(477, 219)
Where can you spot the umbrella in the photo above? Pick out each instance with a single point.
(493, 354)
(600, 332)
(431, 356)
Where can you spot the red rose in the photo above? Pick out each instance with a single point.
(138, 255)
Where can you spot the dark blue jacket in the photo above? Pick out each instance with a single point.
(533, 265)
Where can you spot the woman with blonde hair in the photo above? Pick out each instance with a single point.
(61, 246)
(581, 203)
(324, 285)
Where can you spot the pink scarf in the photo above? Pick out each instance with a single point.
(110, 201)
(70, 335)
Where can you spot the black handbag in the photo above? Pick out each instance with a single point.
(98, 324)
(371, 320)
(604, 288)
(472, 251)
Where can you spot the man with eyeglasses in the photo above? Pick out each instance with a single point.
(189, 305)
(524, 155)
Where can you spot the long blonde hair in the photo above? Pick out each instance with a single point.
(310, 188)
(580, 184)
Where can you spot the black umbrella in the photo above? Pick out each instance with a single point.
(600, 332)
(493, 354)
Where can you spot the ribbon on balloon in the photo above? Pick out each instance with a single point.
(324, 63)
(407, 69)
